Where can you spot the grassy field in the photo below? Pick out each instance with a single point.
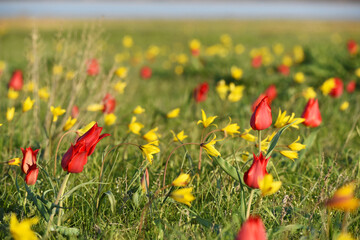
(108, 202)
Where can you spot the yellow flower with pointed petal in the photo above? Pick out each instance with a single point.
(69, 123)
(83, 130)
(210, 149)
(70, 75)
(127, 41)
(173, 113)
(152, 135)
(121, 72)
(222, 89)
(295, 146)
(236, 72)
(134, 126)
(206, 121)
(236, 92)
(28, 104)
(179, 137)
(29, 87)
(289, 154)
(345, 236)
(327, 86)
(183, 195)
(138, 110)
(109, 119)
(268, 186)
(56, 112)
(283, 120)
(22, 230)
(10, 114)
(57, 70)
(120, 87)
(149, 149)
(44, 93)
(344, 106)
(299, 77)
(344, 199)
(95, 107)
(231, 128)
(14, 162)
(309, 93)
(12, 94)
(247, 136)
(182, 180)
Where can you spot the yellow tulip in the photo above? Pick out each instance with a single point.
(69, 123)
(178, 70)
(287, 61)
(236, 92)
(173, 113)
(345, 236)
(120, 87)
(182, 180)
(222, 89)
(236, 72)
(127, 41)
(148, 150)
(344, 199)
(278, 49)
(152, 135)
(299, 77)
(344, 106)
(231, 128)
(206, 121)
(10, 114)
(134, 126)
(179, 137)
(121, 72)
(70, 75)
(138, 110)
(327, 86)
(295, 146)
(283, 120)
(95, 107)
(44, 93)
(309, 93)
(57, 70)
(56, 112)
(289, 154)
(14, 162)
(22, 230)
(194, 44)
(28, 104)
(210, 149)
(183, 195)
(109, 119)
(12, 94)
(247, 136)
(268, 186)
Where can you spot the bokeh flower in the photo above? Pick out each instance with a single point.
(252, 229)
(22, 230)
(344, 199)
(134, 126)
(28, 104)
(182, 180)
(173, 113)
(56, 112)
(183, 195)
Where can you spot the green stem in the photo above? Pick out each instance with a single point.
(259, 138)
(60, 193)
(249, 204)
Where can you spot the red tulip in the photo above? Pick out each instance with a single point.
(257, 101)
(312, 113)
(257, 171)
(75, 158)
(109, 104)
(29, 166)
(75, 111)
(252, 229)
(195, 52)
(93, 67)
(16, 81)
(338, 89)
(271, 93)
(261, 117)
(284, 70)
(145, 72)
(200, 92)
(352, 47)
(91, 138)
(351, 86)
(256, 61)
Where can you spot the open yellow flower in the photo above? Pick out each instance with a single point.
(149, 149)
(344, 106)
(309, 93)
(210, 149)
(344, 199)
(222, 89)
(28, 104)
(10, 114)
(110, 119)
(295, 146)
(44, 93)
(152, 135)
(173, 113)
(12, 94)
(268, 186)
(183, 195)
(194, 44)
(231, 128)
(69, 123)
(22, 230)
(289, 154)
(179, 137)
(299, 77)
(121, 72)
(247, 136)
(120, 87)
(206, 121)
(236, 72)
(236, 92)
(327, 86)
(56, 112)
(83, 130)
(14, 162)
(134, 126)
(138, 110)
(283, 120)
(182, 180)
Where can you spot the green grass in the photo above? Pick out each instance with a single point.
(297, 211)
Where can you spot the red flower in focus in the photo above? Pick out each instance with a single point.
(312, 113)
(252, 229)
(256, 61)
(93, 67)
(351, 86)
(76, 157)
(338, 89)
(75, 111)
(200, 92)
(271, 93)
(195, 52)
(16, 81)
(284, 70)
(257, 171)
(261, 117)
(109, 104)
(29, 166)
(145, 72)
(352, 47)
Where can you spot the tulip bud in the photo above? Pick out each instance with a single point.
(312, 113)
(252, 229)
(261, 117)
(257, 171)
(29, 166)
(200, 92)
(351, 86)
(16, 81)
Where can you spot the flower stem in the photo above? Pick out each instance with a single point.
(60, 193)
(249, 204)
(259, 138)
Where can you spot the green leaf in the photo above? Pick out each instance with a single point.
(207, 224)
(111, 199)
(66, 195)
(275, 140)
(309, 141)
(291, 227)
(44, 211)
(67, 231)
(230, 170)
